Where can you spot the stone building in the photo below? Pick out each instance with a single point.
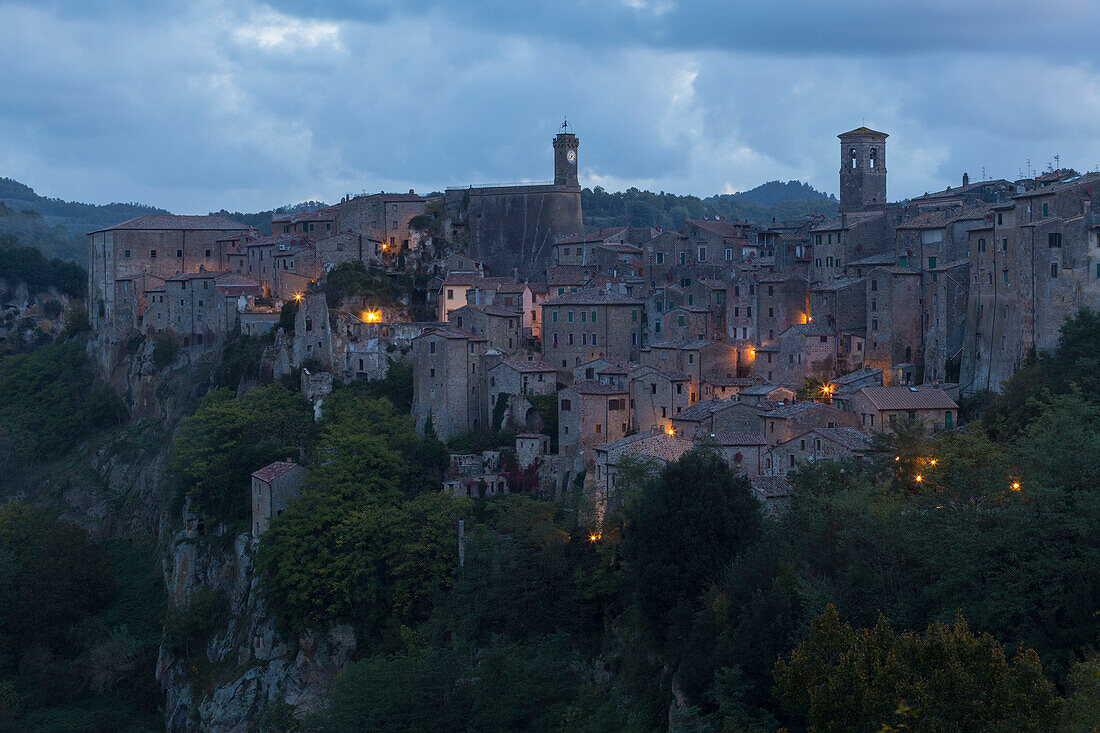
(894, 334)
(162, 246)
(274, 488)
(516, 378)
(446, 380)
(587, 324)
(591, 414)
(383, 216)
(453, 292)
(716, 416)
(782, 301)
(514, 227)
(499, 325)
(804, 350)
(851, 237)
(819, 444)
(1032, 267)
(785, 422)
(844, 387)
(743, 452)
(580, 249)
(876, 408)
(313, 224)
(657, 396)
(862, 169)
(654, 447)
(765, 392)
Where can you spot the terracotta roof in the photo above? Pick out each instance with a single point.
(451, 332)
(326, 214)
(937, 218)
(857, 375)
(171, 221)
(395, 198)
(762, 389)
(698, 344)
(526, 365)
(620, 247)
(462, 278)
(848, 438)
(771, 487)
(569, 274)
(274, 470)
(739, 438)
(234, 279)
(704, 409)
(908, 398)
(501, 284)
(862, 131)
(597, 236)
(795, 408)
(592, 296)
(654, 444)
(721, 228)
(597, 388)
(494, 310)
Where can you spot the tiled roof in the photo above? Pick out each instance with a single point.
(840, 283)
(494, 310)
(326, 214)
(739, 438)
(274, 470)
(395, 198)
(597, 388)
(501, 284)
(704, 409)
(771, 487)
(882, 258)
(761, 389)
(170, 221)
(908, 398)
(620, 247)
(569, 274)
(850, 219)
(208, 275)
(672, 375)
(719, 227)
(450, 332)
(528, 365)
(730, 381)
(849, 438)
(857, 375)
(860, 132)
(794, 408)
(592, 296)
(598, 236)
(935, 218)
(235, 279)
(657, 445)
(664, 345)
(697, 344)
(462, 278)
(813, 329)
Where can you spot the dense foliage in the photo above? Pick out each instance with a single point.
(762, 205)
(79, 628)
(49, 401)
(217, 449)
(21, 262)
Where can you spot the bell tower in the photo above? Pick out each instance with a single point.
(862, 169)
(565, 158)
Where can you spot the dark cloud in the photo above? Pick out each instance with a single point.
(249, 105)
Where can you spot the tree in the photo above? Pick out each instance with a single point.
(842, 678)
(217, 449)
(689, 523)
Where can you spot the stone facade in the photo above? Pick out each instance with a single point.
(571, 336)
(274, 488)
(446, 380)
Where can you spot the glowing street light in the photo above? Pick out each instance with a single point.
(371, 316)
(933, 461)
(1015, 485)
(298, 296)
(919, 478)
(670, 430)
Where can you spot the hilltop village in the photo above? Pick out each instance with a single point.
(779, 345)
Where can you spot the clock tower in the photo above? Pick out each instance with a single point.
(565, 159)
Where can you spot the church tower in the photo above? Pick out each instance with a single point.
(565, 159)
(862, 169)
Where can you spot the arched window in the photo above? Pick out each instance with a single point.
(874, 157)
(853, 159)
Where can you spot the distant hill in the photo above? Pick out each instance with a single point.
(777, 192)
(761, 205)
(261, 221)
(77, 218)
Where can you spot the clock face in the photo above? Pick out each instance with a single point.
(571, 156)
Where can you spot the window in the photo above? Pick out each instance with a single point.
(584, 339)
(584, 316)
(1004, 276)
(593, 318)
(903, 261)
(683, 258)
(593, 339)
(729, 254)
(702, 254)
(680, 321)
(152, 254)
(1046, 209)
(566, 405)
(771, 312)
(127, 254)
(660, 258)
(431, 347)
(874, 285)
(1054, 269)
(1004, 244)
(569, 340)
(931, 262)
(874, 324)
(569, 316)
(553, 316)
(179, 253)
(207, 254)
(660, 306)
(653, 388)
(1054, 239)
(633, 316)
(981, 244)
(1000, 218)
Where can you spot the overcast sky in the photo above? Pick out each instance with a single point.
(250, 105)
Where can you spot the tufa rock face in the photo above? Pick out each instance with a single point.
(261, 665)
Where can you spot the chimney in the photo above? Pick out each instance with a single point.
(966, 179)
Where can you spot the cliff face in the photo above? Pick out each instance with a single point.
(251, 664)
(116, 488)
